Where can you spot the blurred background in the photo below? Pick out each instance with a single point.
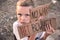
(8, 16)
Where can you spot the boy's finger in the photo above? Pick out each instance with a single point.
(48, 28)
(45, 28)
(51, 28)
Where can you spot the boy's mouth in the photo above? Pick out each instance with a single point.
(23, 23)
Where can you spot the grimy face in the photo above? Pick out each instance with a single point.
(23, 14)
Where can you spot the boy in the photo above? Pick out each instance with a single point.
(23, 17)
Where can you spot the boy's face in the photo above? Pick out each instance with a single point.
(23, 14)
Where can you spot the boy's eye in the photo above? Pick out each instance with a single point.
(20, 14)
(27, 14)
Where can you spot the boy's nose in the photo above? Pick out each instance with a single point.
(22, 18)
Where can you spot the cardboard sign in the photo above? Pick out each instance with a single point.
(36, 27)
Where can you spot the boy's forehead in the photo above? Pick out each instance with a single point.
(23, 9)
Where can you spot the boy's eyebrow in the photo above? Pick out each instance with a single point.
(27, 14)
(19, 14)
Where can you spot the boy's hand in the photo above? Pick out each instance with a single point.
(49, 31)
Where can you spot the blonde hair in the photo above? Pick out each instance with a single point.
(24, 3)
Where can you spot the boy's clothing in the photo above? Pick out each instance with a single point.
(15, 31)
